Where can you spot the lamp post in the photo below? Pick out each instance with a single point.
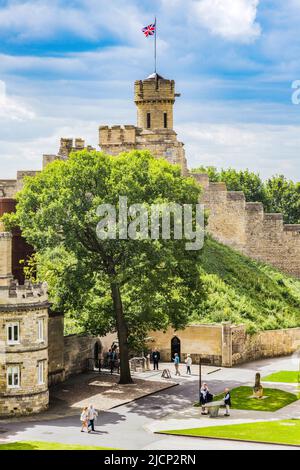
(200, 375)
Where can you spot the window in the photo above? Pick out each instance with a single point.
(148, 120)
(40, 328)
(166, 120)
(13, 377)
(41, 373)
(13, 333)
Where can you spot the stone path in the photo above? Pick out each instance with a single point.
(132, 426)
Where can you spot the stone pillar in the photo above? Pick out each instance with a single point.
(226, 344)
(5, 258)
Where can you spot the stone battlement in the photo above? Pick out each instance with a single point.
(154, 90)
(117, 135)
(245, 226)
(26, 294)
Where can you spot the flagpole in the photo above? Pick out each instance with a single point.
(155, 50)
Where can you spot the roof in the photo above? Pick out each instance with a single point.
(155, 76)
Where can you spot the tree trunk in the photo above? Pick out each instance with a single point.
(125, 375)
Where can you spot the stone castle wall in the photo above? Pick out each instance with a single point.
(225, 344)
(56, 372)
(245, 227)
(68, 355)
(266, 344)
(79, 353)
(197, 340)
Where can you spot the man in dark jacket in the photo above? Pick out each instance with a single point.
(227, 401)
(156, 359)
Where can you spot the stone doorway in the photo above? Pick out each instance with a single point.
(175, 347)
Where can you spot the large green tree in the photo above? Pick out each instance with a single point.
(127, 285)
(283, 196)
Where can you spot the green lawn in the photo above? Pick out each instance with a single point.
(31, 445)
(275, 432)
(276, 399)
(285, 376)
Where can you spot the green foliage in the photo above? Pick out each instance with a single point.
(275, 432)
(240, 290)
(283, 196)
(36, 445)
(284, 376)
(278, 194)
(274, 399)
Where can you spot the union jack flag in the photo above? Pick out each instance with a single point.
(149, 30)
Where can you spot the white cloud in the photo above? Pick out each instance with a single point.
(263, 148)
(89, 19)
(10, 108)
(234, 20)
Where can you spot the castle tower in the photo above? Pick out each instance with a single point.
(155, 98)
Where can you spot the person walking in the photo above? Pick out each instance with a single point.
(156, 359)
(204, 395)
(176, 363)
(84, 419)
(108, 358)
(112, 361)
(189, 363)
(227, 401)
(92, 416)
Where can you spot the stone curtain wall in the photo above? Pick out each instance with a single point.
(56, 348)
(68, 355)
(197, 340)
(226, 345)
(273, 343)
(245, 226)
(77, 352)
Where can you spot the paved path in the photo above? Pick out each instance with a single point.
(131, 426)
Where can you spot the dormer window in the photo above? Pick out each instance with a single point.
(148, 120)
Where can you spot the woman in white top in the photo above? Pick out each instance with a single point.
(188, 362)
(84, 418)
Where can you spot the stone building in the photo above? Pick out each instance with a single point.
(23, 340)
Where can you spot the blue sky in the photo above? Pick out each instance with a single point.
(68, 66)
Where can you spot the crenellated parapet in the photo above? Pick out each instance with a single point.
(117, 136)
(245, 226)
(14, 295)
(67, 145)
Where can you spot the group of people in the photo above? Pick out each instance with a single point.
(112, 359)
(176, 360)
(207, 397)
(88, 418)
